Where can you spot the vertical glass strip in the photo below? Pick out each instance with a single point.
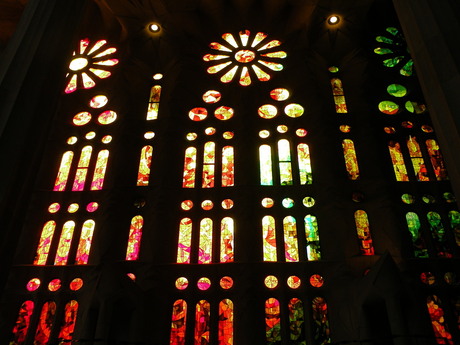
(84, 245)
(284, 156)
(417, 160)
(134, 239)
(228, 167)
(145, 162)
(188, 180)
(45, 242)
(82, 170)
(45, 324)
(438, 233)
(209, 158)
(397, 159)
(225, 336)
(269, 238)
(205, 245)
(321, 329)
(296, 320)
(351, 161)
(22, 323)
(178, 323)
(265, 161)
(99, 171)
(68, 326)
(454, 218)
(440, 327)
(291, 251)
(364, 233)
(65, 241)
(437, 161)
(226, 240)
(202, 327)
(418, 243)
(303, 155)
(154, 103)
(63, 173)
(185, 241)
(339, 96)
(272, 321)
(312, 237)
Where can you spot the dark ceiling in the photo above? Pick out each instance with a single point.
(10, 13)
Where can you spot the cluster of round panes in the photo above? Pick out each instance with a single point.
(54, 284)
(211, 97)
(206, 205)
(408, 125)
(269, 111)
(300, 132)
(204, 283)
(308, 201)
(293, 282)
(428, 278)
(73, 207)
(399, 91)
(209, 131)
(427, 198)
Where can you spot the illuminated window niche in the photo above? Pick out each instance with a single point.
(45, 323)
(269, 238)
(364, 233)
(145, 162)
(312, 236)
(290, 239)
(154, 103)
(22, 324)
(178, 323)
(337, 92)
(440, 327)
(68, 326)
(272, 321)
(321, 328)
(202, 322)
(418, 242)
(351, 161)
(397, 160)
(134, 239)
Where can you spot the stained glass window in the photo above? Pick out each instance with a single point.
(398, 161)
(454, 217)
(185, 241)
(312, 236)
(84, 245)
(272, 321)
(440, 327)
(63, 173)
(178, 323)
(205, 245)
(364, 233)
(70, 316)
(228, 167)
(45, 323)
(225, 336)
(202, 324)
(436, 160)
(154, 102)
(417, 160)
(45, 242)
(22, 323)
(418, 242)
(62, 254)
(209, 164)
(284, 154)
(296, 320)
(134, 239)
(226, 240)
(321, 329)
(290, 239)
(265, 161)
(351, 161)
(269, 238)
(99, 171)
(189, 168)
(82, 169)
(144, 166)
(339, 96)
(305, 171)
(438, 233)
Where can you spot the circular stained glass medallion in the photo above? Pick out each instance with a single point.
(267, 111)
(198, 114)
(98, 101)
(279, 94)
(211, 96)
(203, 283)
(81, 118)
(294, 110)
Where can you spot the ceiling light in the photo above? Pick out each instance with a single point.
(154, 27)
(333, 19)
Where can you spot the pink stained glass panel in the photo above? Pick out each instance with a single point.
(178, 323)
(84, 245)
(145, 162)
(45, 242)
(134, 239)
(22, 323)
(100, 169)
(63, 173)
(62, 254)
(80, 176)
(68, 326)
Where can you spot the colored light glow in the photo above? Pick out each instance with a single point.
(78, 64)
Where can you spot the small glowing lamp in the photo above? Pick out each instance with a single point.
(333, 19)
(154, 27)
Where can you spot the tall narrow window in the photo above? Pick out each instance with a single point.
(228, 167)
(99, 170)
(303, 155)
(296, 320)
(265, 161)
(321, 321)
(418, 243)
(209, 160)
(272, 321)
(284, 154)
(437, 161)
(178, 323)
(398, 161)
(438, 233)
(226, 240)
(185, 241)
(202, 327)
(454, 217)
(269, 238)
(45, 242)
(145, 161)
(189, 168)
(134, 239)
(82, 169)
(62, 254)
(63, 173)
(339, 96)
(351, 161)
(312, 236)
(84, 246)
(154, 102)
(45, 324)
(440, 328)
(417, 160)
(205, 246)
(364, 233)
(290, 239)
(22, 323)
(67, 328)
(225, 336)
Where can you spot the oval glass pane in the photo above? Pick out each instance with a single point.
(107, 117)
(345, 128)
(54, 207)
(72, 140)
(388, 107)
(211, 96)
(294, 110)
(210, 131)
(186, 205)
(267, 111)
(76, 284)
(181, 283)
(301, 132)
(407, 199)
(316, 280)
(264, 134)
(389, 130)
(396, 90)
(198, 114)
(226, 283)
(282, 129)
(203, 283)
(54, 285)
(92, 206)
(223, 113)
(271, 282)
(228, 135)
(287, 203)
(149, 135)
(293, 282)
(33, 284)
(81, 118)
(90, 135)
(267, 202)
(308, 201)
(98, 101)
(207, 205)
(279, 94)
(227, 204)
(191, 136)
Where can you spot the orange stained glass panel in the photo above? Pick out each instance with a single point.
(100, 169)
(227, 240)
(351, 161)
(225, 335)
(271, 44)
(228, 167)
(218, 46)
(291, 250)
(134, 239)
(218, 68)
(63, 173)
(418, 162)
(178, 323)
(45, 242)
(272, 321)
(212, 57)
(436, 160)
(188, 180)
(202, 322)
(45, 323)
(269, 238)
(145, 162)
(397, 159)
(440, 327)
(261, 75)
(209, 164)
(68, 326)
(245, 78)
(364, 233)
(260, 36)
(84, 245)
(22, 323)
(205, 245)
(185, 241)
(62, 254)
